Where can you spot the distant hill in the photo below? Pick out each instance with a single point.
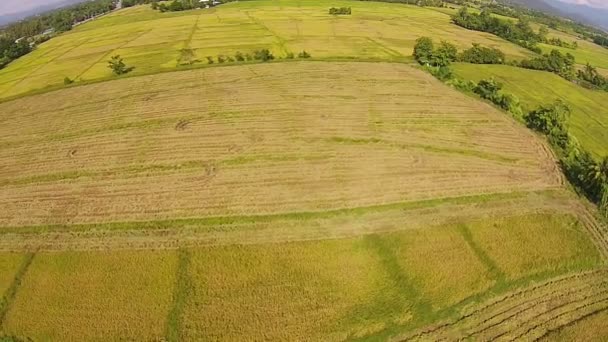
(589, 15)
(6, 19)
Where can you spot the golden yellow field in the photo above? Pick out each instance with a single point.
(94, 296)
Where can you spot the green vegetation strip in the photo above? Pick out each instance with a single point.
(8, 297)
(490, 264)
(218, 223)
(183, 287)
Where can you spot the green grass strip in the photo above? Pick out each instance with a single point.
(219, 223)
(183, 287)
(11, 292)
(494, 270)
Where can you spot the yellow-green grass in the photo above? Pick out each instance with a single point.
(590, 329)
(372, 286)
(9, 265)
(150, 41)
(256, 139)
(586, 52)
(87, 296)
(589, 121)
(534, 244)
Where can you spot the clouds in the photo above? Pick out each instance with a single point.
(591, 3)
(15, 6)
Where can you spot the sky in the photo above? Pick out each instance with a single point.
(592, 3)
(15, 6)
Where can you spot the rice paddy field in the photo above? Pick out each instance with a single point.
(324, 200)
(589, 121)
(151, 41)
(307, 200)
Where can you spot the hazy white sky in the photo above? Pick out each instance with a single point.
(13, 6)
(592, 3)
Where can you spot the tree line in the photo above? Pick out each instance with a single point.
(340, 11)
(519, 33)
(587, 174)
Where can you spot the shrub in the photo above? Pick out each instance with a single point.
(482, 55)
(340, 11)
(263, 55)
(426, 54)
(555, 62)
(303, 54)
(209, 60)
(221, 59)
(118, 66)
(289, 55)
(68, 81)
(423, 50)
(239, 56)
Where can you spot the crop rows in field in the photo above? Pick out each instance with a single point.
(151, 41)
(246, 230)
(242, 141)
(527, 314)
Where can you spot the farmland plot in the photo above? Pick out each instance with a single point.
(242, 141)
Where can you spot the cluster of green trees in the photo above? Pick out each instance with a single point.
(263, 55)
(555, 62)
(131, 3)
(426, 54)
(482, 55)
(561, 43)
(340, 11)
(117, 65)
(491, 90)
(11, 50)
(601, 40)
(585, 172)
(520, 33)
(590, 78)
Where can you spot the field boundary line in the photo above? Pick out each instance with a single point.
(485, 259)
(280, 39)
(183, 287)
(11, 292)
(109, 53)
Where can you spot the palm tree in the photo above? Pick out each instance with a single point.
(599, 171)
